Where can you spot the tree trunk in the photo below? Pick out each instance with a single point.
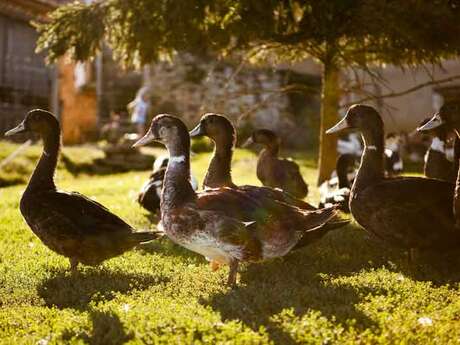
(329, 116)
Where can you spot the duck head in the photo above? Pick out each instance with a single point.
(448, 116)
(359, 117)
(264, 137)
(37, 121)
(216, 127)
(440, 132)
(167, 130)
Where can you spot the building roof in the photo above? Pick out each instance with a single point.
(29, 9)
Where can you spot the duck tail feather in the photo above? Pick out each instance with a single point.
(336, 224)
(318, 217)
(146, 236)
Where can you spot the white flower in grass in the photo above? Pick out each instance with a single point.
(44, 341)
(425, 321)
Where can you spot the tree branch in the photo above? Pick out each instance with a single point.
(405, 92)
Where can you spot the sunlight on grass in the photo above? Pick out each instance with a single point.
(345, 289)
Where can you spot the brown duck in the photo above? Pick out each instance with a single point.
(204, 222)
(273, 171)
(407, 212)
(69, 224)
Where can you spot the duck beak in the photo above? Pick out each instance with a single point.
(147, 138)
(247, 143)
(435, 121)
(21, 128)
(340, 126)
(198, 131)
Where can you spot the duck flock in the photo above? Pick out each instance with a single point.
(229, 224)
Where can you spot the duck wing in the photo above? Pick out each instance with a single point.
(244, 206)
(89, 217)
(268, 193)
(80, 228)
(232, 202)
(84, 212)
(410, 212)
(239, 238)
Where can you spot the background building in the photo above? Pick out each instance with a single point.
(25, 81)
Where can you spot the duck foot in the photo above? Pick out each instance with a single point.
(231, 281)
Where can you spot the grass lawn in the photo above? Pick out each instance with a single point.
(345, 289)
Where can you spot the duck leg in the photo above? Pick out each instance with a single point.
(233, 272)
(73, 266)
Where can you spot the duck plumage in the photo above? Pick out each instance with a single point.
(69, 223)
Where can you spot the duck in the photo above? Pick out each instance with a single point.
(412, 213)
(436, 163)
(273, 171)
(336, 190)
(204, 222)
(150, 193)
(69, 223)
(393, 161)
(221, 131)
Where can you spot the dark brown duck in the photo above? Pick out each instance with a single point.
(336, 191)
(70, 224)
(204, 222)
(436, 163)
(273, 171)
(407, 212)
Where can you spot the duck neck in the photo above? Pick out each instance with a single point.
(371, 169)
(272, 149)
(177, 189)
(43, 177)
(219, 170)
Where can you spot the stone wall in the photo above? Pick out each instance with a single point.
(250, 96)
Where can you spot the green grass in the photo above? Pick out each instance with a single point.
(345, 289)
(19, 169)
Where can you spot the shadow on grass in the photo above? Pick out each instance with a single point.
(64, 290)
(302, 281)
(107, 328)
(437, 268)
